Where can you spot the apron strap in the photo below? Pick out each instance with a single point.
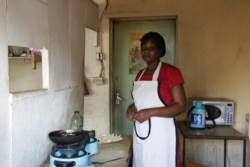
(156, 73)
(149, 130)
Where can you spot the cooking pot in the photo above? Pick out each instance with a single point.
(68, 137)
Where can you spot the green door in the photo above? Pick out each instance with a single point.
(126, 62)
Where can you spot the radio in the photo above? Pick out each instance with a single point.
(219, 110)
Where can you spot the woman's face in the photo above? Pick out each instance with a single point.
(150, 52)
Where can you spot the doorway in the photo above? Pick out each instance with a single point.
(126, 61)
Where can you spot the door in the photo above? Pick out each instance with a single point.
(126, 62)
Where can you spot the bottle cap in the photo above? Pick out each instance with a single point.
(198, 104)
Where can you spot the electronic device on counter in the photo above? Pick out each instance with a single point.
(221, 110)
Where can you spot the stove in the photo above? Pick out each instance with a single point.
(80, 159)
(74, 155)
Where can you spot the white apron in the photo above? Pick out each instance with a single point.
(154, 140)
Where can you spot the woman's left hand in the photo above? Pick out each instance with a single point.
(142, 115)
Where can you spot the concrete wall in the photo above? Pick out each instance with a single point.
(4, 110)
(27, 118)
(212, 45)
(28, 23)
(23, 77)
(212, 53)
(213, 38)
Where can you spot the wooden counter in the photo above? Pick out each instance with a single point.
(112, 151)
(220, 132)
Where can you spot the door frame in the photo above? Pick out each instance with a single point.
(111, 34)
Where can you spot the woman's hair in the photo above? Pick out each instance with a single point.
(159, 40)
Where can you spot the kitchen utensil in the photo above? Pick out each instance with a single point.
(67, 137)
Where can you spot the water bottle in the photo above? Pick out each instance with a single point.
(197, 119)
(76, 121)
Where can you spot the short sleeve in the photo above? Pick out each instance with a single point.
(169, 77)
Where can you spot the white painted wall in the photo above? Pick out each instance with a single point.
(26, 122)
(28, 23)
(23, 77)
(96, 110)
(5, 118)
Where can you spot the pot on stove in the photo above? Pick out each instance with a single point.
(73, 148)
(67, 137)
(69, 150)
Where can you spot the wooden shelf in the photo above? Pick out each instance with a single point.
(18, 58)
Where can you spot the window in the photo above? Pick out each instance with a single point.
(28, 69)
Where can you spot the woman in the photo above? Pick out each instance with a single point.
(159, 96)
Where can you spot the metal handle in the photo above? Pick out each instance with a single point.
(118, 98)
(64, 164)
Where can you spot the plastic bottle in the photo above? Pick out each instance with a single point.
(198, 114)
(76, 121)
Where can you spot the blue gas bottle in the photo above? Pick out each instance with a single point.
(197, 116)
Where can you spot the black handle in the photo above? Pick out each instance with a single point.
(64, 164)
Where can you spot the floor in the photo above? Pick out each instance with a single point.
(111, 154)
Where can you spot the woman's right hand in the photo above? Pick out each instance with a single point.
(131, 111)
